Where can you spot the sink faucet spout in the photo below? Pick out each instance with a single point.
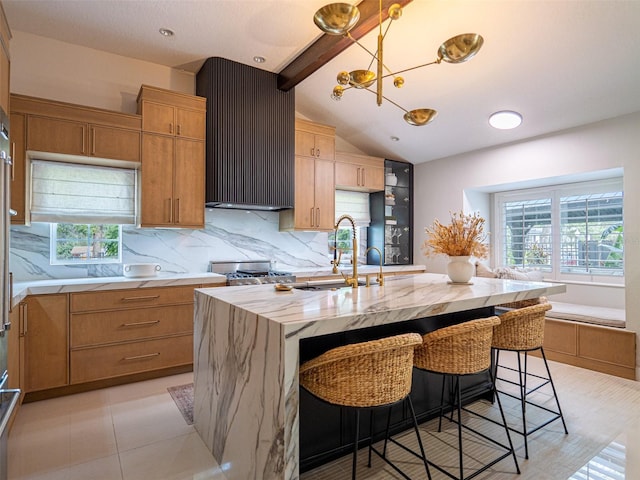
(353, 280)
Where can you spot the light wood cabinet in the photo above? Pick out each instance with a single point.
(315, 140)
(18, 177)
(15, 349)
(78, 138)
(172, 184)
(172, 113)
(173, 158)
(314, 207)
(68, 129)
(314, 197)
(44, 331)
(359, 172)
(124, 332)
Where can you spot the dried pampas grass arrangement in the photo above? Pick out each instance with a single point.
(464, 236)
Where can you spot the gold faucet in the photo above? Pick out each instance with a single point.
(379, 276)
(337, 256)
(353, 280)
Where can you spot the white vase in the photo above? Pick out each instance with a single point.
(460, 269)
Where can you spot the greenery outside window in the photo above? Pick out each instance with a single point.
(572, 231)
(73, 244)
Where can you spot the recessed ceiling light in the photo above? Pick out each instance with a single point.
(166, 32)
(505, 119)
(259, 59)
(394, 139)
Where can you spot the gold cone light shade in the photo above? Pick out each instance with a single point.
(340, 18)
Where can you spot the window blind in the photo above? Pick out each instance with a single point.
(355, 204)
(75, 193)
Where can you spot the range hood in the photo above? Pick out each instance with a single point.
(250, 137)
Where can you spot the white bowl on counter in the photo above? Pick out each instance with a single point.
(140, 269)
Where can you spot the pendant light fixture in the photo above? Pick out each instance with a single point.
(340, 18)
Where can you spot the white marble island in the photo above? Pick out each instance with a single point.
(247, 353)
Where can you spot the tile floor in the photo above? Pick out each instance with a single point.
(135, 431)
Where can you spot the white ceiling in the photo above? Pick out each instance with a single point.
(561, 63)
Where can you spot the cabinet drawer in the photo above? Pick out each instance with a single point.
(131, 298)
(117, 360)
(136, 324)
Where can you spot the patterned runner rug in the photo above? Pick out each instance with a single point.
(183, 396)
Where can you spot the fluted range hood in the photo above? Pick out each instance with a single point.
(250, 137)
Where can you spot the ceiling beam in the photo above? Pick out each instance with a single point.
(327, 47)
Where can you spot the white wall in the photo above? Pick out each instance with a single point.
(47, 68)
(615, 143)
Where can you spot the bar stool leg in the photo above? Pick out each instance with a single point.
(553, 388)
(415, 427)
(444, 378)
(459, 406)
(355, 446)
(504, 422)
(522, 380)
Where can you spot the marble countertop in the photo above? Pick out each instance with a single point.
(66, 285)
(87, 284)
(310, 313)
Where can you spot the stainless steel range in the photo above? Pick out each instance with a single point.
(250, 272)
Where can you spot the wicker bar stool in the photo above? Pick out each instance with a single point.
(522, 330)
(456, 351)
(366, 375)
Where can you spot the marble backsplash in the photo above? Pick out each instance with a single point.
(228, 235)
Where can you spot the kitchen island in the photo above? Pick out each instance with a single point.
(247, 352)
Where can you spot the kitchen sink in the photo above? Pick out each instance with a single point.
(321, 285)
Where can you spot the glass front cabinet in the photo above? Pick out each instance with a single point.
(392, 217)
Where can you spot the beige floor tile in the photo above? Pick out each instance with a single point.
(156, 386)
(147, 420)
(107, 468)
(179, 458)
(76, 430)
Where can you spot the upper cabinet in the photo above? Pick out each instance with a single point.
(67, 129)
(314, 207)
(171, 113)
(359, 172)
(18, 141)
(172, 186)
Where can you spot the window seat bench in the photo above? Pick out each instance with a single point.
(590, 337)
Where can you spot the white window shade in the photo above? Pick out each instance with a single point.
(74, 193)
(355, 204)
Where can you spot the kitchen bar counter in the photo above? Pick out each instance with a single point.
(247, 353)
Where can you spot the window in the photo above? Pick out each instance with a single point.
(85, 243)
(82, 194)
(564, 230)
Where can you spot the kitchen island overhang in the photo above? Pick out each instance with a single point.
(246, 354)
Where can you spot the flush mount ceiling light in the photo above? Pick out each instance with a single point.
(166, 32)
(505, 119)
(340, 18)
(259, 59)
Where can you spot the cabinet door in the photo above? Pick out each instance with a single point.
(347, 175)
(116, 143)
(18, 139)
(14, 364)
(45, 330)
(190, 124)
(56, 136)
(158, 118)
(188, 187)
(325, 147)
(305, 144)
(372, 178)
(156, 184)
(304, 211)
(325, 195)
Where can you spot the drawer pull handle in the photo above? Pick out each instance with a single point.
(138, 357)
(138, 324)
(140, 299)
